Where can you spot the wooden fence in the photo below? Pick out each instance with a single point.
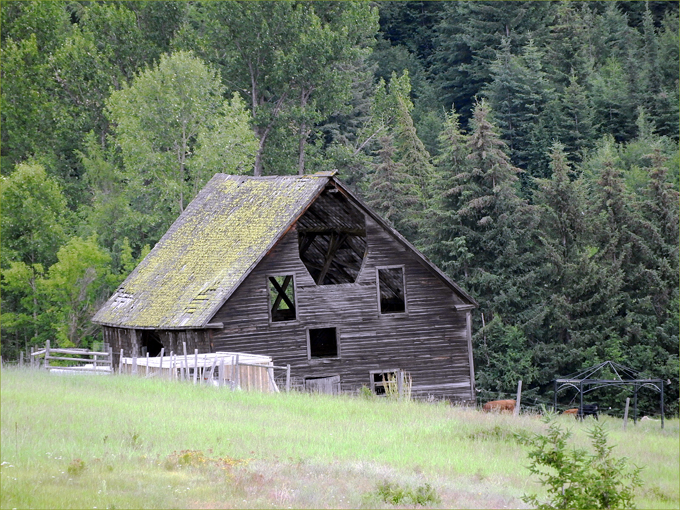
(233, 369)
(100, 362)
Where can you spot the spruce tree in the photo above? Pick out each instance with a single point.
(392, 192)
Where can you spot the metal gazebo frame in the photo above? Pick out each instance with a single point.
(587, 381)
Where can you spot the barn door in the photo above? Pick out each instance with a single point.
(329, 385)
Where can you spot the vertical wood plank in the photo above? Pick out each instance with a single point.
(186, 361)
(120, 363)
(519, 397)
(160, 374)
(625, 414)
(238, 374)
(287, 378)
(195, 365)
(47, 354)
(221, 373)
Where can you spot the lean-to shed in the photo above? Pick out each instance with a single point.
(299, 269)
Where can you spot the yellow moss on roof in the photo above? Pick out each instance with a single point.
(207, 252)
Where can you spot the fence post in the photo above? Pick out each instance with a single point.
(625, 414)
(238, 374)
(120, 364)
(21, 358)
(146, 372)
(94, 364)
(519, 397)
(47, 354)
(287, 378)
(160, 374)
(172, 366)
(32, 363)
(110, 349)
(134, 364)
(186, 361)
(221, 373)
(400, 383)
(195, 365)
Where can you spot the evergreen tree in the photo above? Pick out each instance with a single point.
(392, 191)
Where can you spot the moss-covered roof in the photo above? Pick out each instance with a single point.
(225, 231)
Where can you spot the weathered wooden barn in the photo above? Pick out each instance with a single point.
(299, 269)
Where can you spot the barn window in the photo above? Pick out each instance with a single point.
(322, 343)
(380, 377)
(332, 239)
(282, 298)
(391, 289)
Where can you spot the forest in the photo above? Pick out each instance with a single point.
(529, 149)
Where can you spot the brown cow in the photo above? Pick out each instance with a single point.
(571, 411)
(499, 406)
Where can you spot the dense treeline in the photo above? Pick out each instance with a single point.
(530, 149)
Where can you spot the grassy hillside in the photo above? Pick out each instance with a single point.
(124, 442)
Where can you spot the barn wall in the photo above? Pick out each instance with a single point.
(430, 341)
(130, 341)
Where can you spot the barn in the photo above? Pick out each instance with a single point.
(299, 269)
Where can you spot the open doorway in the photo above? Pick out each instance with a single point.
(151, 343)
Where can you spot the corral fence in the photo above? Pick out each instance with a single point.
(232, 370)
(80, 360)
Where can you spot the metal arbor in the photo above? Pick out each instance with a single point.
(590, 380)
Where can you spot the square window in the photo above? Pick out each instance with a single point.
(380, 379)
(391, 290)
(323, 343)
(282, 298)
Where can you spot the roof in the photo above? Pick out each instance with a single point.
(218, 239)
(213, 246)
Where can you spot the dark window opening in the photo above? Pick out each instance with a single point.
(391, 283)
(323, 343)
(380, 379)
(282, 298)
(332, 239)
(151, 343)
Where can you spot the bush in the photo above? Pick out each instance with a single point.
(577, 479)
(395, 494)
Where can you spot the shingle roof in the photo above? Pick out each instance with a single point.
(225, 231)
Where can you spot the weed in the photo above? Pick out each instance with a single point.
(391, 386)
(577, 479)
(394, 494)
(196, 458)
(366, 393)
(76, 467)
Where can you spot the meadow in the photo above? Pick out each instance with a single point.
(127, 442)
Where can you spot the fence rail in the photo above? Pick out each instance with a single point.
(94, 361)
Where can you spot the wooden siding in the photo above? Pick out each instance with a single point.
(430, 341)
(130, 341)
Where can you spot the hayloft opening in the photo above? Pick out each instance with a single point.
(332, 239)
(151, 343)
(391, 289)
(282, 298)
(323, 343)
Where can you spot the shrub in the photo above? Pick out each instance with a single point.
(577, 479)
(76, 467)
(395, 494)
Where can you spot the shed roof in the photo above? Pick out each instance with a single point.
(214, 244)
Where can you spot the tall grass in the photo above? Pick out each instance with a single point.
(104, 442)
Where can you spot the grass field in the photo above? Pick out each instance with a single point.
(125, 442)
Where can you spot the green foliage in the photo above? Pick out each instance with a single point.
(575, 478)
(395, 494)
